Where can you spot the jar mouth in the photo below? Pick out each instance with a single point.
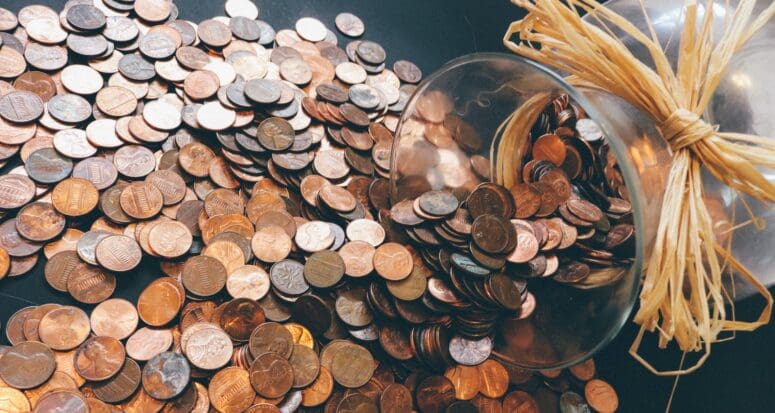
(620, 151)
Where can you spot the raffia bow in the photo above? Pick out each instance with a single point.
(683, 295)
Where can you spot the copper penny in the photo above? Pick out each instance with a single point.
(17, 191)
(230, 390)
(209, 349)
(465, 380)
(171, 185)
(166, 375)
(170, 239)
(393, 261)
(146, 343)
(99, 358)
(53, 400)
(159, 302)
(39, 221)
(195, 159)
(118, 253)
(141, 200)
(435, 394)
(271, 337)
(27, 364)
(134, 161)
(352, 366)
(90, 285)
(74, 197)
(120, 386)
(319, 391)
(493, 379)
(271, 244)
(520, 401)
(271, 375)
(115, 318)
(240, 316)
(306, 365)
(64, 328)
(601, 396)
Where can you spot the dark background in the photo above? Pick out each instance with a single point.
(431, 32)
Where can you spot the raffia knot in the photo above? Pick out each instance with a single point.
(683, 128)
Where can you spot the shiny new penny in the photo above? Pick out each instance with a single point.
(240, 316)
(141, 200)
(230, 390)
(493, 379)
(74, 197)
(271, 375)
(118, 253)
(159, 302)
(115, 318)
(166, 375)
(27, 364)
(393, 261)
(64, 328)
(99, 358)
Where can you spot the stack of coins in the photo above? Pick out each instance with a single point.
(251, 166)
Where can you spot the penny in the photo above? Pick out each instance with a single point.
(263, 91)
(314, 236)
(295, 71)
(90, 285)
(203, 275)
(21, 106)
(99, 358)
(352, 366)
(116, 101)
(73, 144)
(38, 83)
(470, 352)
(230, 390)
(324, 269)
(46, 166)
(17, 191)
(214, 116)
(166, 375)
(115, 318)
(141, 200)
(201, 84)
(275, 134)
(435, 394)
(146, 343)
(357, 402)
(350, 73)
(358, 257)
(118, 253)
(271, 375)
(407, 71)
(5, 263)
(271, 244)
(305, 364)
(601, 396)
(209, 349)
(393, 261)
(214, 33)
(493, 378)
(120, 386)
(240, 316)
(152, 10)
(39, 221)
(159, 303)
(13, 63)
(27, 364)
(64, 328)
(13, 400)
(170, 239)
(349, 24)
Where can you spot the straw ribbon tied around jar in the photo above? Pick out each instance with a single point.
(684, 128)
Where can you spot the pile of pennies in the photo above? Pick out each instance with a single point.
(250, 166)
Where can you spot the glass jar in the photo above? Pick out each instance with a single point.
(467, 101)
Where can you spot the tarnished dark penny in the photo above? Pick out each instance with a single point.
(324, 269)
(39, 221)
(166, 375)
(305, 364)
(275, 134)
(120, 386)
(27, 364)
(271, 375)
(203, 276)
(47, 166)
(492, 233)
(438, 203)
(99, 358)
(271, 337)
(352, 366)
(435, 394)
